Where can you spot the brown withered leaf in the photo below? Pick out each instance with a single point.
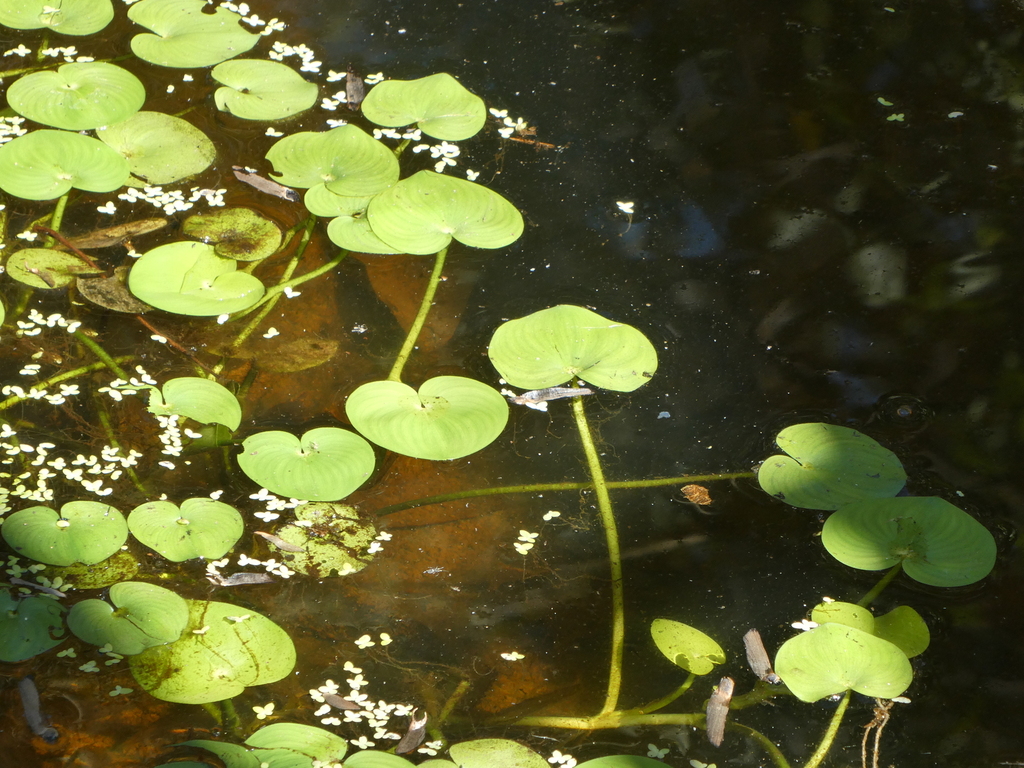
(108, 236)
(265, 185)
(698, 494)
(279, 356)
(111, 292)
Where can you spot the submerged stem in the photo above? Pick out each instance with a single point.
(101, 353)
(664, 701)
(876, 590)
(58, 215)
(830, 733)
(421, 317)
(56, 379)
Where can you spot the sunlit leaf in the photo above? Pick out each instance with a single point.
(78, 96)
(315, 743)
(84, 532)
(66, 17)
(686, 646)
(262, 90)
(47, 268)
(138, 616)
(43, 165)
(487, 753)
(439, 105)
(203, 400)
(235, 233)
(347, 160)
(185, 37)
(201, 527)
(160, 148)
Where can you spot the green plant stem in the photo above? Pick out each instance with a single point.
(766, 744)
(15, 399)
(611, 534)
(101, 353)
(830, 733)
(460, 690)
(104, 418)
(876, 590)
(231, 721)
(664, 701)
(421, 317)
(58, 215)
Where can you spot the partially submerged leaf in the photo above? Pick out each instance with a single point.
(686, 646)
(108, 236)
(29, 626)
(236, 233)
(47, 268)
(112, 292)
(331, 540)
(487, 753)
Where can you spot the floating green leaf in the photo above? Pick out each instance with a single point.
(236, 233)
(191, 279)
(838, 612)
(333, 539)
(833, 658)
(66, 17)
(185, 36)
(353, 233)
(29, 626)
(552, 346)
(327, 464)
(345, 159)
(262, 90)
(232, 755)
(828, 466)
(43, 165)
(320, 201)
(686, 647)
(904, 628)
(622, 761)
(439, 105)
(84, 532)
(224, 649)
(202, 527)
(423, 213)
(315, 743)
(47, 268)
(371, 758)
(78, 97)
(160, 149)
(137, 617)
(488, 753)
(937, 543)
(450, 416)
(203, 400)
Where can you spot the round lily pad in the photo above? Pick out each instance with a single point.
(29, 626)
(938, 543)
(423, 213)
(487, 753)
(327, 464)
(256, 89)
(185, 36)
(195, 398)
(78, 97)
(47, 268)
(334, 540)
(43, 165)
(686, 647)
(191, 279)
(232, 755)
(200, 528)
(66, 17)
(450, 416)
(223, 650)
(439, 105)
(236, 233)
(315, 743)
(828, 466)
(347, 160)
(160, 149)
(833, 658)
(138, 616)
(904, 628)
(84, 532)
(551, 347)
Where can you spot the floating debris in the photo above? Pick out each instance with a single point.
(718, 710)
(34, 716)
(757, 657)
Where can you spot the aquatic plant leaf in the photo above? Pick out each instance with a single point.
(353, 233)
(849, 614)
(44, 164)
(202, 527)
(138, 616)
(315, 743)
(78, 97)
(938, 543)
(29, 626)
(487, 753)
(191, 764)
(3, 313)
(828, 466)
(904, 628)
(438, 763)
(423, 213)
(203, 400)
(439, 105)
(262, 90)
(622, 761)
(224, 649)
(232, 755)
(371, 758)
(67, 17)
(448, 418)
(185, 36)
(160, 149)
(686, 646)
(333, 539)
(191, 279)
(346, 159)
(46, 268)
(833, 658)
(552, 346)
(236, 233)
(120, 566)
(327, 464)
(84, 532)
(320, 201)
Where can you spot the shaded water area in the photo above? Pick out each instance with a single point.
(825, 228)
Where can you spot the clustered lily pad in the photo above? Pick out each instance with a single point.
(439, 105)
(203, 400)
(346, 160)
(201, 527)
(160, 149)
(78, 97)
(185, 37)
(262, 90)
(83, 532)
(138, 616)
(66, 17)
(45, 164)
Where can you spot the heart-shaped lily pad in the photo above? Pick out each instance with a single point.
(839, 612)
(160, 149)
(200, 528)
(686, 647)
(439, 105)
(185, 36)
(423, 213)
(623, 761)
(450, 416)
(138, 616)
(320, 201)
(327, 464)
(66, 17)
(236, 233)
(47, 268)
(552, 346)
(333, 539)
(833, 658)
(904, 628)
(828, 466)
(84, 532)
(78, 97)
(347, 160)
(487, 753)
(43, 165)
(224, 649)
(203, 400)
(315, 743)
(29, 626)
(191, 279)
(938, 543)
(262, 90)
(353, 233)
